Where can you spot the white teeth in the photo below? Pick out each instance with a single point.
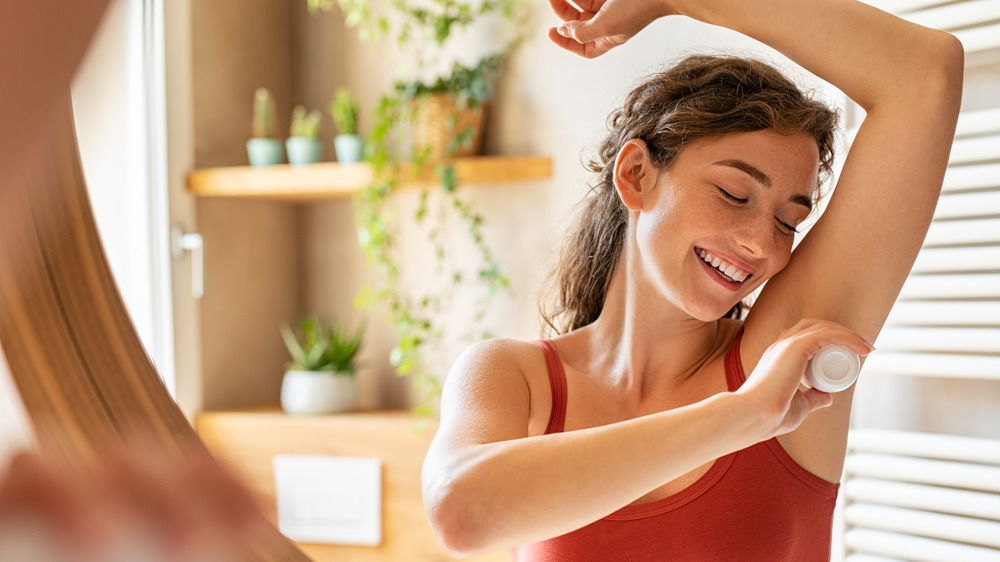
(727, 269)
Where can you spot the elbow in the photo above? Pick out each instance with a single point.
(458, 521)
(952, 61)
(946, 69)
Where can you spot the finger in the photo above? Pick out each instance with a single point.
(568, 43)
(813, 334)
(816, 399)
(589, 5)
(564, 10)
(564, 42)
(562, 37)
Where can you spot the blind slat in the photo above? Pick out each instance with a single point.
(978, 231)
(916, 549)
(978, 286)
(948, 340)
(933, 313)
(954, 16)
(935, 525)
(945, 260)
(977, 149)
(923, 471)
(983, 176)
(932, 365)
(919, 496)
(962, 205)
(929, 445)
(978, 122)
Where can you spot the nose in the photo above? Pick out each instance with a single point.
(756, 234)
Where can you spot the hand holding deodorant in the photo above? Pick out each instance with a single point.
(832, 369)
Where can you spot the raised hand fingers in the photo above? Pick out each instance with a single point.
(818, 333)
(588, 50)
(566, 11)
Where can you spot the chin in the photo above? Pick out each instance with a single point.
(709, 313)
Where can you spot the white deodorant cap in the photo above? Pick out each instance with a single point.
(833, 369)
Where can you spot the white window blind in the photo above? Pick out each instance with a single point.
(922, 477)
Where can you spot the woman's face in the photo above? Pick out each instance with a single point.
(721, 220)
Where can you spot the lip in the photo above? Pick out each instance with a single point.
(716, 276)
(731, 259)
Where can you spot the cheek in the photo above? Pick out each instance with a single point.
(783, 253)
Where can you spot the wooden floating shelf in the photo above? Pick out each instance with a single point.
(329, 180)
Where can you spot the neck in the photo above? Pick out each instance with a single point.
(645, 343)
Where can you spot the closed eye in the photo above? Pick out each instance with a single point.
(791, 229)
(731, 197)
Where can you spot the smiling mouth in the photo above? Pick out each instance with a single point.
(728, 271)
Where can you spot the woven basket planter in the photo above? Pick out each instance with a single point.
(436, 121)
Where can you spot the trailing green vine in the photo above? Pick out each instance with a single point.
(417, 319)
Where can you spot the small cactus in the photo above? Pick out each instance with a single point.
(344, 110)
(263, 114)
(303, 124)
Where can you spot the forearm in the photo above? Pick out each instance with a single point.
(869, 54)
(520, 491)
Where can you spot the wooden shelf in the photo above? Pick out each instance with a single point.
(329, 180)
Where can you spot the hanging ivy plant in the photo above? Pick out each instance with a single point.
(417, 319)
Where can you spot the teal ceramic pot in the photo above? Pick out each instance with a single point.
(350, 148)
(264, 152)
(303, 150)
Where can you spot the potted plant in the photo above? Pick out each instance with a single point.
(320, 379)
(263, 149)
(304, 146)
(448, 115)
(344, 109)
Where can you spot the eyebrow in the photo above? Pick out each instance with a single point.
(763, 179)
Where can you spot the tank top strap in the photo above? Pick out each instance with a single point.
(557, 382)
(735, 377)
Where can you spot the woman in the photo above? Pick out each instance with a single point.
(633, 435)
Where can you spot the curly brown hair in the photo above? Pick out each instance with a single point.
(700, 97)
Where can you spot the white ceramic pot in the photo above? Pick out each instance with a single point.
(307, 393)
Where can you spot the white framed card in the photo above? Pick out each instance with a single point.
(329, 499)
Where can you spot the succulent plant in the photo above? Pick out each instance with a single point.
(344, 110)
(322, 346)
(263, 114)
(305, 124)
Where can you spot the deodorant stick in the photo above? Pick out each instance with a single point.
(832, 369)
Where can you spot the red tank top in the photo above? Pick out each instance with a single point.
(756, 504)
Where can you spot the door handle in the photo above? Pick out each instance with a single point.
(181, 242)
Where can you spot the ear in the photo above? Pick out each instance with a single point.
(635, 176)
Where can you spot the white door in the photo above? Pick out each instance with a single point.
(135, 159)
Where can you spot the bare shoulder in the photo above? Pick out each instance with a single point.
(494, 386)
(503, 362)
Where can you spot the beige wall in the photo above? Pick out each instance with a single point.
(251, 260)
